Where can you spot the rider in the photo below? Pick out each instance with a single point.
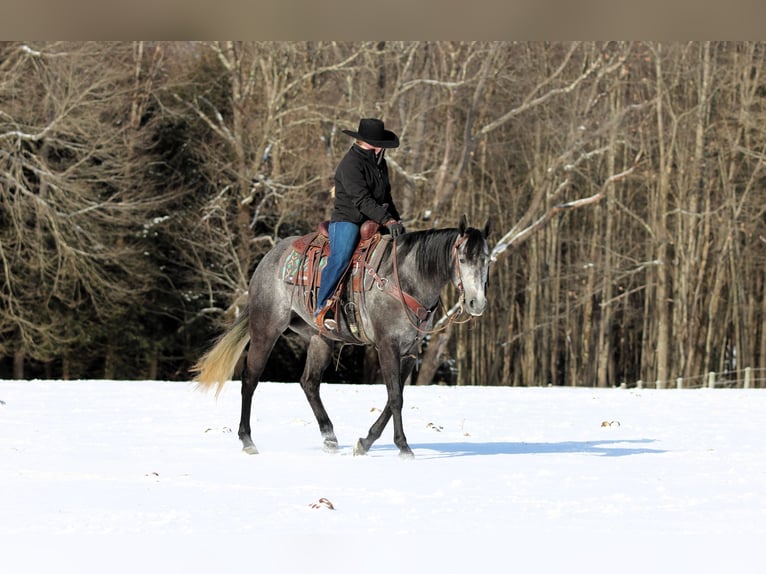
(362, 192)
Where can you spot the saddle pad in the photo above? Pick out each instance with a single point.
(297, 270)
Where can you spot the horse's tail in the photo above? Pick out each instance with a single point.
(217, 365)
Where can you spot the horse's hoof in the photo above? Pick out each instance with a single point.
(330, 446)
(360, 449)
(406, 454)
(250, 449)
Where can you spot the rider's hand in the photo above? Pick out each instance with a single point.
(394, 228)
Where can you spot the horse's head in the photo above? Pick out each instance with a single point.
(472, 266)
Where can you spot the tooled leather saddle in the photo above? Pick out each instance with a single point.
(303, 265)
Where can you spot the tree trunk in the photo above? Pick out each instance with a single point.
(432, 357)
(18, 363)
(660, 314)
(152, 364)
(604, 346)
(762, 352)
(529, 329)
(109, 360)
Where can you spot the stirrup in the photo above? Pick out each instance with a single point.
(323, 322)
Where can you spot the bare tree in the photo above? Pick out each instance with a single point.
(142, 182)
(71, 246)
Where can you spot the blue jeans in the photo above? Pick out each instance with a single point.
(343, 239)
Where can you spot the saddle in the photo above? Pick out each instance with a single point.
(304, 262)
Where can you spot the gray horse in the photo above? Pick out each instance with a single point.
(393, 315)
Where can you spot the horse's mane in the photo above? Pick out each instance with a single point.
(433, 255)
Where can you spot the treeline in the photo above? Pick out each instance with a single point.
(140, 184)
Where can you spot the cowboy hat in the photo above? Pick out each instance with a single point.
(371, 130)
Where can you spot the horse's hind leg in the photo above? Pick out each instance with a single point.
(257, 355)
(317, 358)
(248, 388)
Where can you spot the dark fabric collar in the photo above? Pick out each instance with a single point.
(367, 154)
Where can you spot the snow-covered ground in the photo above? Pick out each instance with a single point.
(148, 477)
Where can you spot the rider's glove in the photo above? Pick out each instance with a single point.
(394, 228)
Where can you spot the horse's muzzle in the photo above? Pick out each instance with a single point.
(475, 306)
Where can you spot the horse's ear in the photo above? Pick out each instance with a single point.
(487, 227)
(463, 224)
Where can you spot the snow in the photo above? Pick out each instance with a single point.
(148, 476)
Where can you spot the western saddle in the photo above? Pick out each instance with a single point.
(303, 266)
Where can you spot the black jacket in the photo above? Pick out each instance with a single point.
(362, 189)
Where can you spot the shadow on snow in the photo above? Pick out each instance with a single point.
(596, 447)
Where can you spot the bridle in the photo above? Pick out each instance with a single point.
(456, 256)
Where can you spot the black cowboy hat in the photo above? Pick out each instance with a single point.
(371, 130)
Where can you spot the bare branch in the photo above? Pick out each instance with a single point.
(513, 238)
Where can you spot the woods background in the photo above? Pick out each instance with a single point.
(140, 184)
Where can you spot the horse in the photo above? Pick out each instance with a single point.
(393, 316)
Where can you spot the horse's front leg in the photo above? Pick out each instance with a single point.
(364, 444)
(392, 375)
(400, 440)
